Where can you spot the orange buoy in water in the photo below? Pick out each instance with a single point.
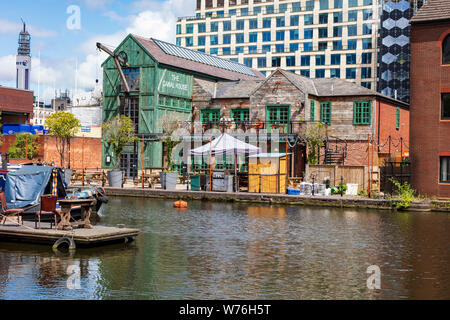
(180, 204)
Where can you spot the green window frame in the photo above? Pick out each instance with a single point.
(240, 115)
(362, 112)
(325, 112)
(312, 110)
(278, 115)
(397, 119)
(210, 115)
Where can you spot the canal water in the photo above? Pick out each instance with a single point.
(239, 251)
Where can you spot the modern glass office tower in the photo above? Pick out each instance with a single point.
(314, 38)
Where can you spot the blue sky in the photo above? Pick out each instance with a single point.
(106, 21)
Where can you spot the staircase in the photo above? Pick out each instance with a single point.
(334, 157)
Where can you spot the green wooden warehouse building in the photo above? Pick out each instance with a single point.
(160, 77)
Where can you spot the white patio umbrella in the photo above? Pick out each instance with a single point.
(226, 144)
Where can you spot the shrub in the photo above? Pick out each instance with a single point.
(405, 193)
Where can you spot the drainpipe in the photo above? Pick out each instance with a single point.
(379, 124)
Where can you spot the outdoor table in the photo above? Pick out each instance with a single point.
(66, 207)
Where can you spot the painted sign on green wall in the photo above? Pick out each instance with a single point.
(175, 83)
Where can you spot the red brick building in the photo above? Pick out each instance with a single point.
(430, 99)
(16, 105)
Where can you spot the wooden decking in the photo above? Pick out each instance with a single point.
(99, 235)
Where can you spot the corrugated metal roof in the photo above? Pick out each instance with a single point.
(170, 54)
(433, 10)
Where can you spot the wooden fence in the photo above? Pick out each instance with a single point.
(350, 174)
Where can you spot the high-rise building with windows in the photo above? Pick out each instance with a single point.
(314, 38)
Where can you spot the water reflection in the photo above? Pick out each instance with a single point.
(236, 251)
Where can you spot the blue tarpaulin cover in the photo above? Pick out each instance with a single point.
(25, 186)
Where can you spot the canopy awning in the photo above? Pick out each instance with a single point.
(225, 144)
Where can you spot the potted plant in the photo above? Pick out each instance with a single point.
(118, 132)
(169, 123)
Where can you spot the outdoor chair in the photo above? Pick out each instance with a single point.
(9, 212)
(48, 208)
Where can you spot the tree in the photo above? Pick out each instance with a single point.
(314, 137)
(63, 126)
(169, 123)
(26, 146)
(118, 132)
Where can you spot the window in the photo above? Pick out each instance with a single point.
(323, 4)
(257, 10)
(293, 34)
(312, 111)
(227, 26)
(226, 38)
(201, 40)
(282, 8)
(248, 62)
(270, 9)
(190, 28)
(366, 73)
(220, 13)
(296, 7)
(320, 60)
(310, 5)
(240, 24)
(335, 73)
(226, 51)
(276, 62)
(368, 2)
(350, 73)
(367, 14)
(320, 73)
(352, 30)
(239, 38)
(337, 45)
(445, 170)
(179, 42)
(305, 61)
(239, 115)
(202, 27)
(352, 15)
(308, 33)
(253, 37)
(351, 44)
(279, 48)
(266, 36)
(262, 62)
(252, 49)
(446, 50)
(280, 35)
(397, 119)
(293, 47)
(366, 58)
(337, 31)
(267, 22)
(352, 3)
(239, 50)
(244, 12)
(351, 58)
(335, 59)
(308, 46)
(280, 22)
(214, 51)
(210, 115)
(338, 4)
(266, 48)
(362, 111)
(445, 106)
(309, 19)
(367, 28)
(214, 26)
(290, 61)
(189, 41)
(325, 112)
(305, 73)
(232, 12)
(253, 24)
(323, 32)
(178, 28)
(277, 115)
(323, 18)
(367, 43)
(337, 17)
(294, 21)
(367, 85)
(213, 40)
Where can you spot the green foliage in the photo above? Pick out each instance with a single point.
(118, 132)
(341, 188)
(63, 126)
(25, 145)
(314, 137)
(405, 193)
(363, 193)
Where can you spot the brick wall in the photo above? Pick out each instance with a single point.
(399, 139)
(429, 135)
(84, 152)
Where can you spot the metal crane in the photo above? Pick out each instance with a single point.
(121, 61)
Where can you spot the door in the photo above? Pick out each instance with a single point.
(128, 163)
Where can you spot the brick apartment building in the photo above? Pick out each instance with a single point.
(430, 99)
(16, 106)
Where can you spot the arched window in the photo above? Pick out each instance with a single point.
(446, 50)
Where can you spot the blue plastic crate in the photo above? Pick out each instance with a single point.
(293, 191)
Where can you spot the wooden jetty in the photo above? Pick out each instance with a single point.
(98, 235)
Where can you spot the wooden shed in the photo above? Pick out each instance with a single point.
(267, 173)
